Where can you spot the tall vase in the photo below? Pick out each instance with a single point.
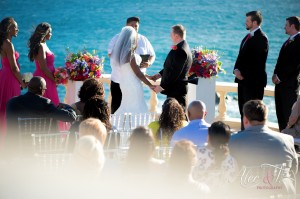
(205, 91)
(72, 88)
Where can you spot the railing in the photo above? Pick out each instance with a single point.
(223, 88)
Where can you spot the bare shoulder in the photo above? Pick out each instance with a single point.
(7, 44)
(7, 48)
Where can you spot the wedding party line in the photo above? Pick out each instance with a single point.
(179, 142)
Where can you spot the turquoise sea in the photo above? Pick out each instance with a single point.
(91, 24)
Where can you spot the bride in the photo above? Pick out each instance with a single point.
(123, 56)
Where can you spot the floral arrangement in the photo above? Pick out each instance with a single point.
(61, 75)
(26, 77)
(205, 64)
(83, 65)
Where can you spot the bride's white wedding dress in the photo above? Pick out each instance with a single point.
(132, 90)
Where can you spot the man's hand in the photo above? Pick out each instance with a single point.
(154, 77)
(275, 79)
(238, 74)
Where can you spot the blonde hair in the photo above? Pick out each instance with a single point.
(95, 127)
(89, 154)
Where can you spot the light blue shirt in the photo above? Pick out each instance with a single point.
(196, 131)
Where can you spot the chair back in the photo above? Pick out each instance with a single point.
(27, 127)
(50, 143)
(129, 121)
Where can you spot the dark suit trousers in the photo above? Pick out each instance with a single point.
(285, 97)
(116, 96)
(246, 93)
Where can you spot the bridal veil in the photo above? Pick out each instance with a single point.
(124, 46)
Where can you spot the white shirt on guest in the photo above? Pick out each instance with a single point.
(144, 48)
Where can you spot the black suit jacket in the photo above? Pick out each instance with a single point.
(288, 63)
(251, 61)
(32, 105)
(176, 67)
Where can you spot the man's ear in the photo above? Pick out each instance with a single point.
(246, 122)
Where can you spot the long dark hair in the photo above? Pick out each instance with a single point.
(90, 88)
(5, 25)
(36, 38)
(97, 107)
(219, 135)
(171, 117)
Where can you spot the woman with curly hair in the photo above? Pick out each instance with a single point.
(171, 119)
(44, 59)
(10, 77)
(97, 107)
(89, 88)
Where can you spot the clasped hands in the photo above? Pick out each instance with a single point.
(155, 88)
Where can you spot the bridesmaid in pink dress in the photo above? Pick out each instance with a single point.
(10, 77)
(44, 59)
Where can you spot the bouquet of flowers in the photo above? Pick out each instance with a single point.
(205, 64)
(61, 75)
(26, 77)
(83, 65)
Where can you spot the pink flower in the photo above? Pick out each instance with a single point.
(174, 47)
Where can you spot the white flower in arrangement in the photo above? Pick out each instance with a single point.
(27, 77)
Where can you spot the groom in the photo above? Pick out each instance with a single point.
(177, 64)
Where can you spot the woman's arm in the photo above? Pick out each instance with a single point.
(10, 52)
(139, 74)
(41, 58)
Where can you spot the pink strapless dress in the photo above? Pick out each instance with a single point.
(51, 91)
(9, 87)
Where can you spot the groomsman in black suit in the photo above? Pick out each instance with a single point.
(250, 66)
(286, 73)
(177, 64)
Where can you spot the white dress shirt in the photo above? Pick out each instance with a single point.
(144, 48)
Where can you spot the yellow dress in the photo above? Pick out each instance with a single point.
(154, 126)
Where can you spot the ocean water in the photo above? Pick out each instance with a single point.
(214, 24)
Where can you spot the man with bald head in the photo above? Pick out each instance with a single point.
(33, 104)
(197, 130)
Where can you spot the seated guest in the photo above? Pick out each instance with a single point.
(181, 163)
(89, 88)
(140, 159)
(258, 145)
(216, 158)
(172, 118)
(293, 126)
(95, 127)
(95, 107)
(33, 104)
(196, 130)
(88, 158)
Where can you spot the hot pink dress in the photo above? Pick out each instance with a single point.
(9, 87)
(51, 91)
